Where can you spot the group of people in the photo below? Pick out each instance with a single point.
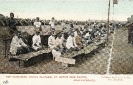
(22, 22)
(62, 41)
(18, 44)
(30, 22)
(19, 41)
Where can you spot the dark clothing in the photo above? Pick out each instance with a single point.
(131, 38)
(92, 36)
(1, 23)
(12, 24)
(131, 28)
(5, 22)
(22, 50)
(25, 41)
(71, 25)
(42, 23)
(129, 34)
(85, 26)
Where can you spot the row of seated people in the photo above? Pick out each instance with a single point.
(73, 40)
(61, 41)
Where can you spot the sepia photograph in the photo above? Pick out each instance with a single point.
(66, 37)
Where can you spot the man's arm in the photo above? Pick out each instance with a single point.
(50, 41)
(34, 41)
(22, 43)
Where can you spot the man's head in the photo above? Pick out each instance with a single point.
(37, 19)
(79, 33)
(53, 19)
(12, 15)
(59, 35)
(18, 33)
(71, 21)
(24, 34)
(73, 30)
(62, 31)
(72, 34)
(53, 31)
(37, 31)
(63, 21)
(81, 28)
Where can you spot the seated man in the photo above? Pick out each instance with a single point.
(27, 39)
(71, 43)
(97, 36)
(87, 37)
(81, 30)
(36, 41)
(57, 46)
(51, 40)
(79, 40)
(17, 45)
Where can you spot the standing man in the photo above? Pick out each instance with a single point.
(12, 24)
(52, 23)
(37, 24)
(63, 24)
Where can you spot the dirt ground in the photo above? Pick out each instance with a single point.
(121, 61)
(122, 55)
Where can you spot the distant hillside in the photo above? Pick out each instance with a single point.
(2, 16)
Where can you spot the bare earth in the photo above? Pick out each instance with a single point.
(121, 62)
(122, 56)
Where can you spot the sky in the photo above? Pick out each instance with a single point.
(68, 9)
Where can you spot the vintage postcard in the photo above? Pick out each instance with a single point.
(81, 42)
